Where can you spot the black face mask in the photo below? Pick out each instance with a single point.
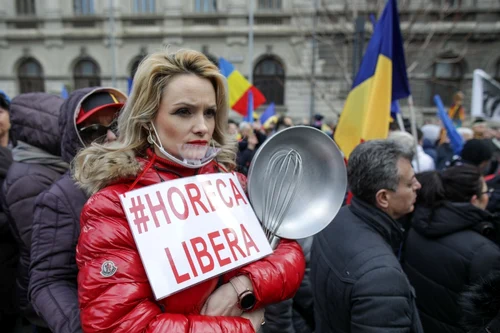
(97, 132)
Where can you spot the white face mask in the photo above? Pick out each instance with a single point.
(193, 156)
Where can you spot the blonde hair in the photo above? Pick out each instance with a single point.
(99, 165)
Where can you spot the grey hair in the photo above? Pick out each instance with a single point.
(372, 166)
(244, 125)
(405, 139)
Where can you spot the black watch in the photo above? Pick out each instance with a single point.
(246, 298)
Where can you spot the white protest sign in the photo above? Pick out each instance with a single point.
(192, 229)
(485, 96)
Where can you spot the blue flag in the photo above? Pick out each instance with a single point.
(395, 109)
(268, 113)
(130, 82)
(456, 141)
(64, 92)
(249, 117)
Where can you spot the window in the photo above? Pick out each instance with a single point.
(135, 63)
(269, 78)
(270, 4)
(205, 6)
(86, 74)
(25, 7)
(83, 7)
(448, 72)
(30, 76)
(144, 6)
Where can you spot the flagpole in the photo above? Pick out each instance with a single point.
(400, 121)
(250, 54)
(414, 129)
(112, 43)
(313, 62)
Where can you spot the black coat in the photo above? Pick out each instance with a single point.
(56, 228)
(34, 119)
(358, 282)
(481, 305)
(443, 255)
(9, 253)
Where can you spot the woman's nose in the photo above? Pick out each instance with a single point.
(110, 136)
(200, 127)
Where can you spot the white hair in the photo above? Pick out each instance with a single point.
(245, 125)
(405, 139)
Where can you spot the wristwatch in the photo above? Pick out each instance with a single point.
(246, 298)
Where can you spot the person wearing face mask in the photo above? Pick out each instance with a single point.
(178, 101)
(88, 115)
(452, 243)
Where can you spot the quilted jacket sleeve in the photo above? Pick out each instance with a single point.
(276, 277)
(381, 303)
(53, 271)
(124, 302)
(20, 190)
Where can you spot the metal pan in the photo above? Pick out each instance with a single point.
(320, 190)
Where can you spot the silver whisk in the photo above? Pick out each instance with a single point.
(282, 175)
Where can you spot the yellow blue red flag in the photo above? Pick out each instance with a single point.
(240, 89)
(381, 79)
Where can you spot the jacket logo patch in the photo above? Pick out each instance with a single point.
(108, 268)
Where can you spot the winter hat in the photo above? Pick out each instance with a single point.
(476, 151)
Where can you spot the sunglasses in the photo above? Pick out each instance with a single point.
(95, 132)
(488, 192)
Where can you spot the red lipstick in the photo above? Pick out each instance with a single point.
(198, 142)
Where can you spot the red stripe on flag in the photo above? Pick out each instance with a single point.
(241, 106)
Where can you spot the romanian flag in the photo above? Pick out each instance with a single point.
(381, 80)
(239, 88)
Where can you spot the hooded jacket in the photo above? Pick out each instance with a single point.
(56, 228)
(481, 305)
(124, 301)
(9, 254)
(444, 255)
(34, 119)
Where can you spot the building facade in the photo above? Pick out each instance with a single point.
(49, 44)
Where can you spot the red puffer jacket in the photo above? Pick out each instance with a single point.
(124, 302)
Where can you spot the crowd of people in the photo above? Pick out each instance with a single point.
(415, 247)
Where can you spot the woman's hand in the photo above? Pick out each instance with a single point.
(224, 300)
(256, 318)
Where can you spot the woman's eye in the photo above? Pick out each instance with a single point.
(182, 112)
(210, 113)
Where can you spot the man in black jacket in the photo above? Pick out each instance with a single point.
(358, 283)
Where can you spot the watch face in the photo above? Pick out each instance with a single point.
(247, 302)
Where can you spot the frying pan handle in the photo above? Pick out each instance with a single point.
(274, 241)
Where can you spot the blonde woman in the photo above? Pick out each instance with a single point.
(178, 100)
